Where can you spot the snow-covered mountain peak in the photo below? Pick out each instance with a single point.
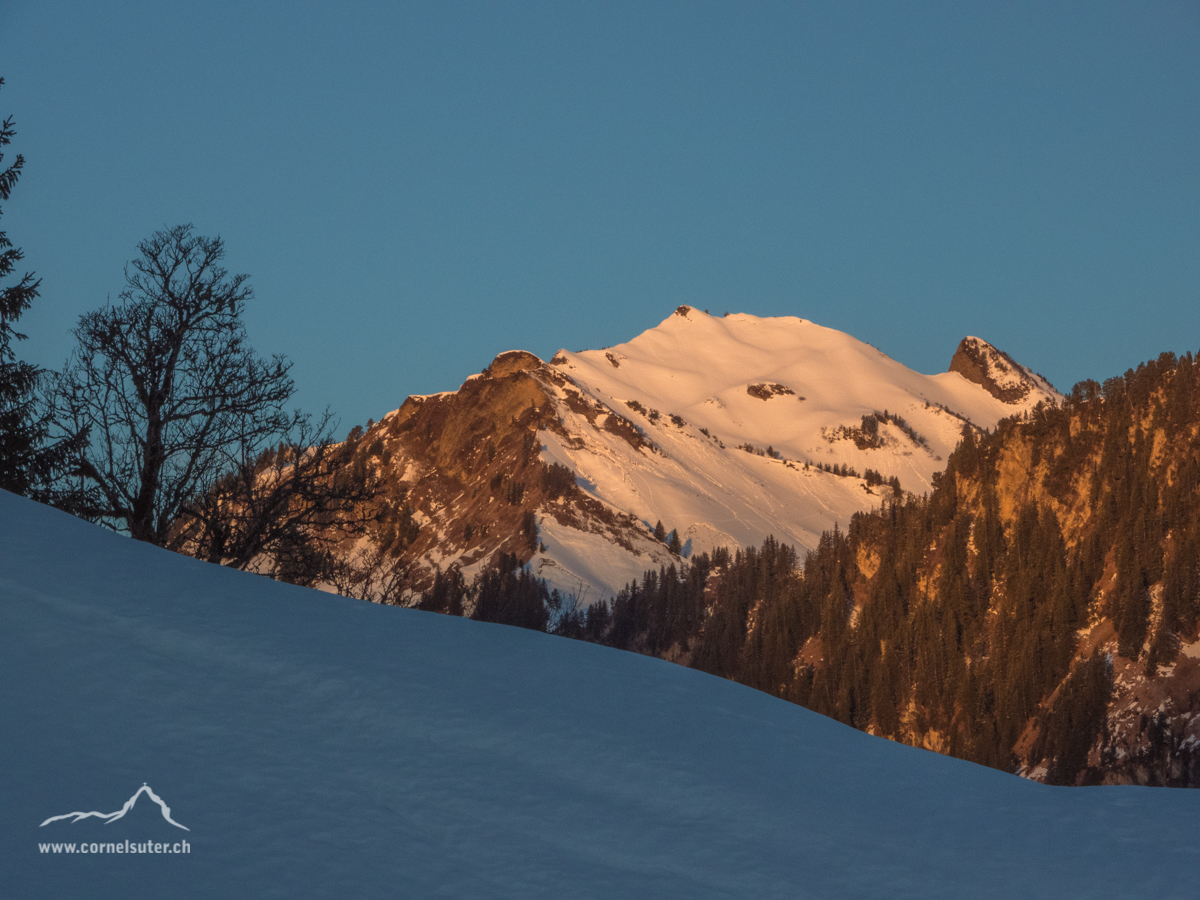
(726, 429)
(779, 379)
(690, 340)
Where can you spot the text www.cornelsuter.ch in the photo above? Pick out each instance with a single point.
(117, 847)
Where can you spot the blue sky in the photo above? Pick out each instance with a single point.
(416, 187)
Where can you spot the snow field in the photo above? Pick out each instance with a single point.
(321, 747)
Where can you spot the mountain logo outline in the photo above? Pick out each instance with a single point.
(113, 816)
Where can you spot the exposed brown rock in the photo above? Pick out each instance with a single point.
(767, 391)
(973, 361)
(465, 472)
(511, 361)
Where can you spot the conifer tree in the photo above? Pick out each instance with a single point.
(673, 542)
(27, 464)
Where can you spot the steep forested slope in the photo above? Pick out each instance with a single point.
(1037, 611)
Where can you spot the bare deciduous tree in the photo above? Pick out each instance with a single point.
(370, 573)
(166, 386)
(284, 511)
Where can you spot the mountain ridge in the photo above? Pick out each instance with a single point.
(725, 429)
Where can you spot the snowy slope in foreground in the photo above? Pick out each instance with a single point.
(319, 747)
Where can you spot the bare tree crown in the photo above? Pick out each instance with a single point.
(167, 385)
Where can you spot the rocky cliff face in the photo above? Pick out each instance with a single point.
(469, 467)
(997, 373)
(1128, 503)
(1040, 611)
(726, 430)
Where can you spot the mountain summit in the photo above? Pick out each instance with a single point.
(997, 373)
(723, 429)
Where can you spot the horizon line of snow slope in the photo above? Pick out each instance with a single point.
(322, 747)
(699, 368)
